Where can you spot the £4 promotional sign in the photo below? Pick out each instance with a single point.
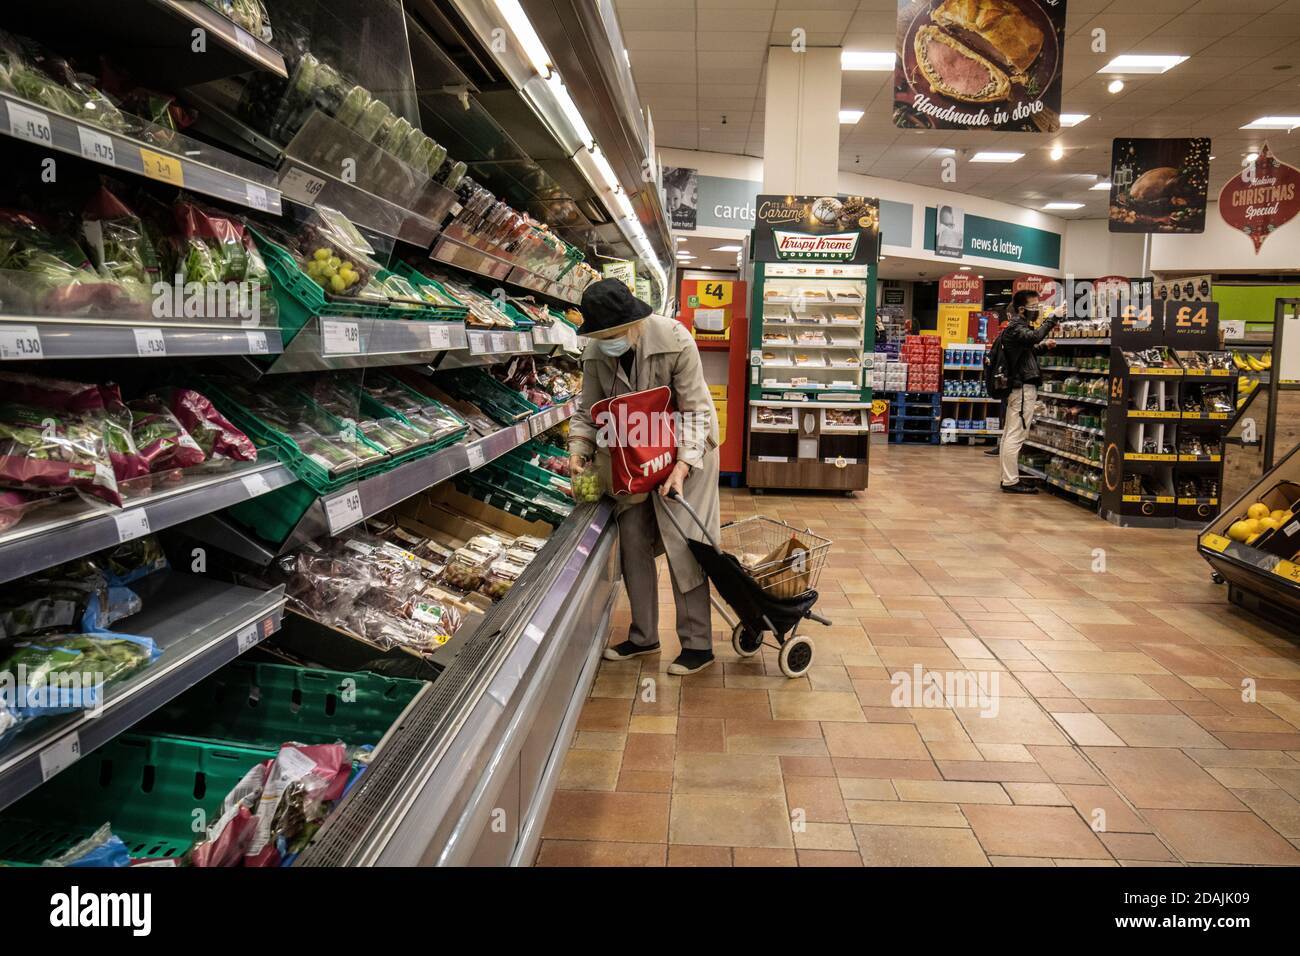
(1191, 325)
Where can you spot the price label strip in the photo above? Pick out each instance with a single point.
(256, 197)
(477, 343)
(149, 343)
(97, 146)
(339, 338)
(343, 510)
(499, 342)
(247, 638)
(255, 485)
(301, 186)
(165, 169)
(29, 124)
(476, 457)
(439, 336)
(131, 524)
(20, 342)
(257, 344)
(60, 755)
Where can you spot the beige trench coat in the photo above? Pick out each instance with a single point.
(665, 355)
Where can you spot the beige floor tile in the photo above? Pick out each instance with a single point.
(905, 814)
(588, 853)
(1108, 686)
(1036, 794)
(1243, 778)
(1006, 753)
(747, 775)
(1215, 836)
(1147, 730)
(1017, 721)
(607, 817)
(816, 705)
(778, 746)
(590, 770)
(1087, 730)
(824, 836)
(1019, 861)
(1161, 779)
(954, 750)
(1098, 662)
(875, 741)
(649, 724)
(598, 740)
(706, 819)
(950, 791)
(918, 846)
(818, 798)
(709, 856)
(762, 856)
(1136, 846)
(829, 858)
(653, 752)
(861, 788)
(1103, 809)
(1277, 808)
(1033, 831)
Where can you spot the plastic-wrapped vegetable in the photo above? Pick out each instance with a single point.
(100, 849)
(161, 438)
(42, 449)
(337, 256)
(211, 431)
(46, 272)
(301, 784)
(128, 463)
(71, 596)
(36, 74)
(500, 577)
(119, 247)
(135, 559)
(225, 841)
(64, 673)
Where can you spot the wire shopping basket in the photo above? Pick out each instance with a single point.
(781, 558)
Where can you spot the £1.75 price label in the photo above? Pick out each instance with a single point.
(97, 146)
(18, 342)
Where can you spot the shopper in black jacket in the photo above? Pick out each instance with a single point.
(1022, 342)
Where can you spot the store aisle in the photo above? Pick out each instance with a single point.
(1093, 711)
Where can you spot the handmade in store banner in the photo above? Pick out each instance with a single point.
(1159, 185)
(980, 64)
(817, 229)
(1261, 198)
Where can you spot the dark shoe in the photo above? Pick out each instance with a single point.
(993, 452)
(1020, 488)
(627, 650)
(691, 662)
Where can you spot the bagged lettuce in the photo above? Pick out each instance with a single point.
(43, 449)
(160, 437)
(45, 271)
(210, 429)
(76, 595)
(66, 673)
(119, 246)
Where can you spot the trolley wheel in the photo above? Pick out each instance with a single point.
(796, 656)
(1217, 578)
(745, 642)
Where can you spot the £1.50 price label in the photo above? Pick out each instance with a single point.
(18, 342)
(31, 125)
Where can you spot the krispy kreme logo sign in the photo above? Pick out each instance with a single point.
(839, 246)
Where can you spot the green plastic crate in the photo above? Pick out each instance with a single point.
(265, 705)
(147, 788)
(518, 462)
(503, 404)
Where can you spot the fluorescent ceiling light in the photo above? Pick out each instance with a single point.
(1115, 86)
(624, 204)
(964, 269)
(570, 109)
(1073, 119)
(605, 170)
(866, 60)
(1142, 63)
(1104, 184)
(984, 156)
(523, 30)
(726, 248)
(850, 116)
(1057, 151)
(1064, 205)
(1264, 122)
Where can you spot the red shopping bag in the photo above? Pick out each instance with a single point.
(638, 430)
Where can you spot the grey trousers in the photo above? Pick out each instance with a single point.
(638, 540)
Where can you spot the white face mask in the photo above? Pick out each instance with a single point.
(614, 347)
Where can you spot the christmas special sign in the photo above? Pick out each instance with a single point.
(1262, 198)
(980, 64)
(816, 229)
(1159, 185)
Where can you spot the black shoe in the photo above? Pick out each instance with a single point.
(691, 662)
(627, 650)
(993, 452)
(1020, 488)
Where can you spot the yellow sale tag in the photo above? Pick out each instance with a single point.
(714, 294)
(166, 169)
(1216, 542)
(1289, 571)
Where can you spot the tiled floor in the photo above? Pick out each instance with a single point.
(1121, 733)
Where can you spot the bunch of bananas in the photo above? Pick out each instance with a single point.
(1248, 363)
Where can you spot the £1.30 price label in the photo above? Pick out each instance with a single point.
(149, 343)
(18, 342)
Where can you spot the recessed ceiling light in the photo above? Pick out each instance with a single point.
(1115, 86)
(1057, 151)
(1064, 205)
(866, 60)
(984, 156)
(979, 277)
(1104, 184)
(681, 238)
(850, 116)
(945, 151)
(726, 248)
(964, 269)
(1287, 123)
(1073, 119)
(1143, 63)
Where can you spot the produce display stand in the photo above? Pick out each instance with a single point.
(484, 721)
(1164, 434)
(965, 400)
(811, 340)
(715, 310)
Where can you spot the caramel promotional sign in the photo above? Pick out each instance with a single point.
(979, 64)
(816, 229)
(1262, 198)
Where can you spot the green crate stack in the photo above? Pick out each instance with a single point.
(501, 402)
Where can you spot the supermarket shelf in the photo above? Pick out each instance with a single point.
(339, 510)
(1057, 397)
(70, 528)
(855, 346)
(783, 404)
(1064, 454)
(43, 337)
(487, 348)
(1071, 425)
(329, 343)
(199, 623)
(963, 368)
(236, 43)
(972, 400)
(973, 432)
(796, 300)
(460, 253)
(1074, 368)
(1082, 341)
(1073, 489)
(46, 128)
(1032, 471)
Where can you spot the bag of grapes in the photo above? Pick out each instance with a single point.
(587, 483)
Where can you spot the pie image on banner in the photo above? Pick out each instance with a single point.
(979, 64)
(1159, 185)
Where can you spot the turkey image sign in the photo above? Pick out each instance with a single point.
(979, 64)
(1159, 185)
(1261, 198)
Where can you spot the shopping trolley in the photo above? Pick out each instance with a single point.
(769, 595)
